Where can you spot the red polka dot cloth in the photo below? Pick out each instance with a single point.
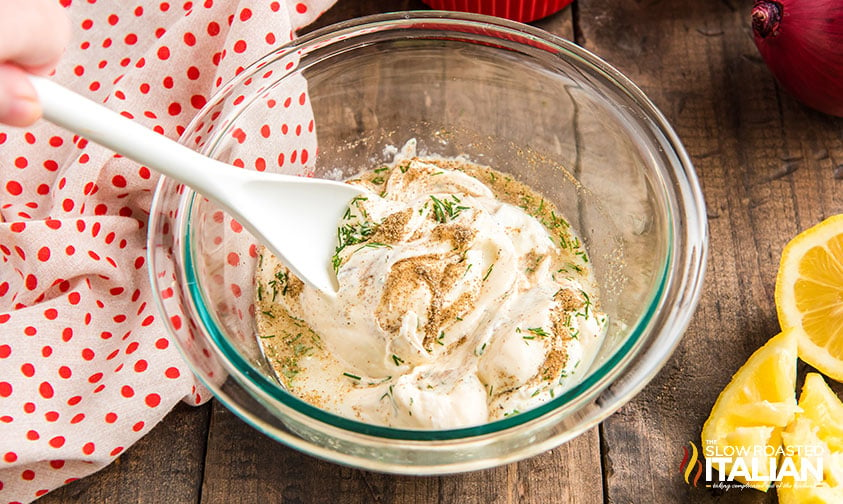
(86, 366)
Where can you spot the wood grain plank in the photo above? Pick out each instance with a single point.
(243, 465)
(165, 466)
(767, 169)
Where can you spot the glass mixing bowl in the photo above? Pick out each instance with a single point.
(503, 94)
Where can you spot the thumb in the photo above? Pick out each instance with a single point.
(19, 105)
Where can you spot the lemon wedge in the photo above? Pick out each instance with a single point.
(752, 411)
(809, 295)
(814, 443)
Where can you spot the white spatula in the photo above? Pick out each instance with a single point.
(295, 217)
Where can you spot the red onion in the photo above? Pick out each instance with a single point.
(802, 43)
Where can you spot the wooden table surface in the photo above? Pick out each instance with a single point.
(769, 168)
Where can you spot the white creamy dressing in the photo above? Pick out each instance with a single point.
(454, 308)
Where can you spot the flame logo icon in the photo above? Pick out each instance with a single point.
(690, 462)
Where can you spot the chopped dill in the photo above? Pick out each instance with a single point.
(448, 209)
(488, 272)
(538, 331)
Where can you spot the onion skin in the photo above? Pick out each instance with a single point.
(801, 42)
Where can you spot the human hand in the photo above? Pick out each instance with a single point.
(33, 35)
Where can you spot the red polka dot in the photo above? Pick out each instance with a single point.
(30, 331)
(163, 53)
(28, 370)
(130, 39)
(10, 457)
(239, 135)
(118, 181)
(17, 227)
(189, 39)
(46, 351)
(233, 258)
(153, 400)
(301, 8)
(57, 464)
(138, 426)
(57, 442)
(116, 451)
(127, 391)
(245, 14)
(29, 407)
(162, 343)
(265, 131)
(46, 390)
(270, 38)
(28, 475)
(260, 164)
(172, 373)
(174, 109)
(51, 314)
(141, 366)
(198, 101)
(77, 418)
(235, 289)
(5, 351)
(51, 165)
(193, 73)
(213, 28)
(5, 389)
(31, 282)
(168, 83)
(14, 188)
(33, 435)
(240, 46)
(88, 448)
(65, 372)
(88, 354)
(94, 378)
